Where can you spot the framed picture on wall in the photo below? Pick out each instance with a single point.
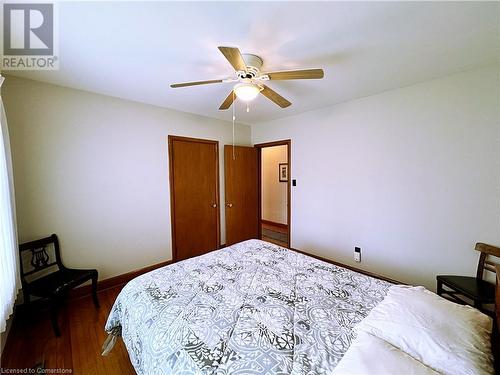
(283, 172)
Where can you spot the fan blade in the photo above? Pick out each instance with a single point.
(297, 74)
(233, 55)
(195, 83)
(275, 97)
(228, 101)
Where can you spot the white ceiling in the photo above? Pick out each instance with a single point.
(135, 50)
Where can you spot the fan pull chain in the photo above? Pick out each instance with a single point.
(234, 118)
(248, 108)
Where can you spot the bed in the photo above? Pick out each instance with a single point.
(258, 308)
(251, 308)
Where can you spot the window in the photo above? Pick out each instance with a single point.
(9, 266)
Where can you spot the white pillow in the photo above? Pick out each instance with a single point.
(369, 355)
(450, 338)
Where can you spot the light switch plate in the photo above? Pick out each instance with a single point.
(357, 254)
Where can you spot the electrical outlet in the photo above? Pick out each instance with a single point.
(357, 254)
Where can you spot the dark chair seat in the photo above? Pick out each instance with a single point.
(60, 282)
(471, 287)
(476, 288)
(38, 258)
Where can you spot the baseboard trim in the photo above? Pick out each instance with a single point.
(355, 269)
(115, 281)
(279, 225)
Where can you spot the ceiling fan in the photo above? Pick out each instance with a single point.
(251, 80)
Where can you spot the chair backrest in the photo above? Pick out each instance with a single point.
(484, 263)
(39, 257)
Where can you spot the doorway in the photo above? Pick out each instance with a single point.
(275, 182)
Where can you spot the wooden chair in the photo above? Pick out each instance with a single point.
(44, 275)
(476, 289)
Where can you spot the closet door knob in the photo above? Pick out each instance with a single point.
(229, 205)
(214, 205)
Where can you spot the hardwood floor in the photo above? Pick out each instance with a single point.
(32, 341)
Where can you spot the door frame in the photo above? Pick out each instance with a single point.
(260, 146)
(171, 139)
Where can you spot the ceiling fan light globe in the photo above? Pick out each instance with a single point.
(246, 91)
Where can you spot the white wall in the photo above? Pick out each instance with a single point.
(274, 192)
(94, 170)
(410, 175)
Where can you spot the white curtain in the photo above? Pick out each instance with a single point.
(9, 264)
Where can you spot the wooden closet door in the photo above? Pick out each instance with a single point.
(242, 193)
(194, 196)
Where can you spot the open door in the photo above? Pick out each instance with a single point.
(242, 193)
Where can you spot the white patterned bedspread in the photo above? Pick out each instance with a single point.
(251, 308)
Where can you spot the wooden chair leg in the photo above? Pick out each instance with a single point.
(26, 298)
(54, 309)
(94, 291)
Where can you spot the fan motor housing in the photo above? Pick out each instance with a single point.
(253, 63)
